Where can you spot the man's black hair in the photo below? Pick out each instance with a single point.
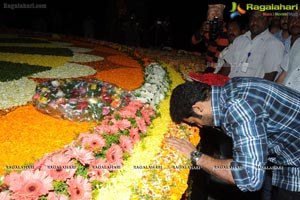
(184, 96)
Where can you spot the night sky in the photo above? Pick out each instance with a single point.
(186, 15)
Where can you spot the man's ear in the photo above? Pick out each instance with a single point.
(198, 107)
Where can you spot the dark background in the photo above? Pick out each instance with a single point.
(67, 17)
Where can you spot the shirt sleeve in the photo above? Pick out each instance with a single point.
(273, 56)
(246, 122)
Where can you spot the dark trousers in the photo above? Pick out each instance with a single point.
(281, 194)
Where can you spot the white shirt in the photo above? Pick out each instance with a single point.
(255, 57)
(292, 67)
(221, 61)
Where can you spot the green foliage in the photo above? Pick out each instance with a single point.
(60, 187)
(111, 138)
(13, 71)
(81, 169)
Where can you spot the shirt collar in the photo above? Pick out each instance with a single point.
(215, 103)
(263, 35)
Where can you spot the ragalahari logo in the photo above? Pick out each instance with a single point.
(236, 10)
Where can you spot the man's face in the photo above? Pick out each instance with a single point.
(284, 23)
(294, 23)
(205, 110)
(233, 31)
(204, 121)
(257, 23)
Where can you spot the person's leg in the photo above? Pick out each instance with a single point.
(281, 194)
(266, 190)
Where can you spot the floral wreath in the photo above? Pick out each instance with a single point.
(79, 100)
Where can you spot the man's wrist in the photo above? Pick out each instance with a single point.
(195, 156)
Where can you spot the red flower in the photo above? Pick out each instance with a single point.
(210, 78)
(82, 105)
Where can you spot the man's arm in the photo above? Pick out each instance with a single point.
(217, 167)
(270, 76)
(281, 77)
(225, 69)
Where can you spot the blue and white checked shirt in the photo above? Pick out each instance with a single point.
(263, 119)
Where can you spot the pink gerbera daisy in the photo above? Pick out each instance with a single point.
(101, 129)
(126, 144)
(147, 113)
(99, 170)
(114, 155)
(136, 103)
(141, 124)
(54, 196)
(93, 142)
(134, 135)
(4, 196)
(79, 188)
(82, 155)
(60, 167)
(122, 124)
(12, 178)
(127, 113)
(31, 185)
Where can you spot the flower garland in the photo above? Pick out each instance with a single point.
(155, 87)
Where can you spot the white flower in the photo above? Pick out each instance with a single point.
(68, 70)
(55, 83)
(16, 92)
(60, 94)
(79, 57)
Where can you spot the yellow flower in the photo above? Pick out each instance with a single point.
(93, 86)
(43, 100)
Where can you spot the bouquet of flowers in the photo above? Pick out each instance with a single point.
(79, 100)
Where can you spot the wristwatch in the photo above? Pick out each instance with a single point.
(195, 156)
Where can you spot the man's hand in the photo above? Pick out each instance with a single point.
(183, 146)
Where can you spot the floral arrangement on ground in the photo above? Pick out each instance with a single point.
(99, 163)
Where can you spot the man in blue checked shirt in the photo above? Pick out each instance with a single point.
(263, 120)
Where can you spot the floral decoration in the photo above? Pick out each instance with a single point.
(16, 92)
(68, 70)
(87, 162)
(79, 100)
(156, 85)
(97, 163)
(210, 78)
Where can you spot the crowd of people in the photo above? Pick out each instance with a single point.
(258, 109)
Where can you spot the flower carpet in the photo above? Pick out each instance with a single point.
(116, 153)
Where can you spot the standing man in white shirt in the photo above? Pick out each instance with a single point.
(290, 75)
(257, 53)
